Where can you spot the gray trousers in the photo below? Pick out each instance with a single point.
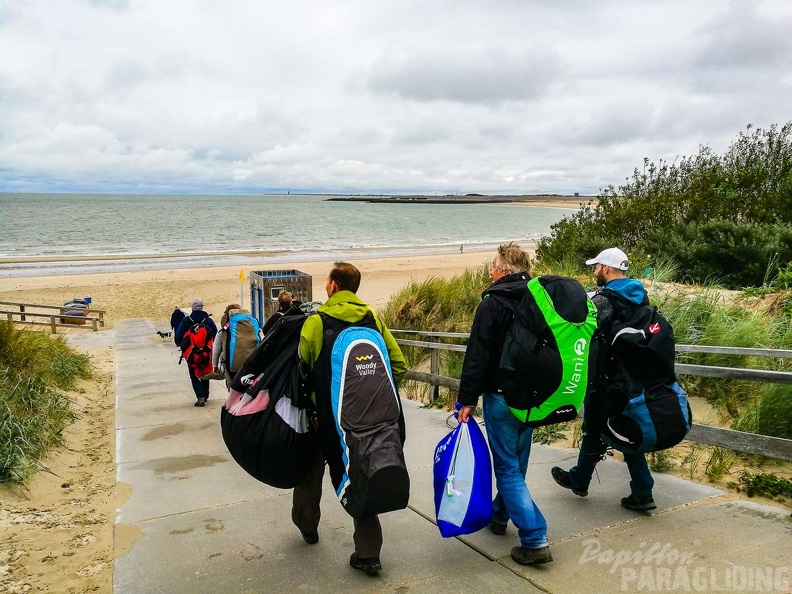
(306, 513)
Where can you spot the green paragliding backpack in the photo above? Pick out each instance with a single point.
(550, 352)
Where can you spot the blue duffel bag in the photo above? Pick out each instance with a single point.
(462, 481)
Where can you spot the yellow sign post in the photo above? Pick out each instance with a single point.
(241, 287)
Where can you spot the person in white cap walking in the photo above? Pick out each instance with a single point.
(610, 271)
(197, 315)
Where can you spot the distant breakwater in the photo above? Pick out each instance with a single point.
(467, 199)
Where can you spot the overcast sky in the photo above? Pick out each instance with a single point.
(380, 96)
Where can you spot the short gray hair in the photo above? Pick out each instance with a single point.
(512, 258)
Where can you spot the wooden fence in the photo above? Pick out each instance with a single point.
(19, 313)
(752, 443)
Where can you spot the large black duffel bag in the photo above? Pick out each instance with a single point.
(265, 420)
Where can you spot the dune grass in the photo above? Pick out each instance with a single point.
(699, 314)
(35, 369)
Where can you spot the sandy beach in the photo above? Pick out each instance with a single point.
(153, 293)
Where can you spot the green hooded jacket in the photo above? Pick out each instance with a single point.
(346, 306)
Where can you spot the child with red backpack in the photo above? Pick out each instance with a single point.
(195, 336)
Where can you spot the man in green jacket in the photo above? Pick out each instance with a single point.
(342, 304)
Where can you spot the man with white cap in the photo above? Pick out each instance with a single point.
(610, 268)
(197, 315)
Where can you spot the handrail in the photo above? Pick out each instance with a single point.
(102, 311)
(53, 319)
(752, 443)
(680, 348)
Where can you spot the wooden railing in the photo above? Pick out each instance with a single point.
(22, 311)
(752, 443)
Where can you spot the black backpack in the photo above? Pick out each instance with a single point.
(544, 382)
(361, 424)
(648, 408)
(266, 420)
(641, 339)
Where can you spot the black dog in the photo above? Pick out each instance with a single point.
(164, 335)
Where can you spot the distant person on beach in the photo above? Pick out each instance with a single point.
(610, 268)
(288, 305)
(461, 247)
(197, 315)
(509, 438)
(342, 308)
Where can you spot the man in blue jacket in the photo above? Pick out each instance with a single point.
(508, 437)
(200, 387)
(610, 268)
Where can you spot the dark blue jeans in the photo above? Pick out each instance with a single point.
(200, 387)
(510, 444)
(591, 450)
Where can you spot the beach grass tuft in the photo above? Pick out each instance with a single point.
(35, 369)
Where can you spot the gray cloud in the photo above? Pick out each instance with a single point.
(501, 97)
(465, 73)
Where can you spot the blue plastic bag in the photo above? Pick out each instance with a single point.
(462, 481)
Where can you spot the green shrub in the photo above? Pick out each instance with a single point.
(720, 217)
(734, 254)
(33, 413)
(766, 485)
(547, 434)
(660, 461)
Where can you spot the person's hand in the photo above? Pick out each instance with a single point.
(464, 413)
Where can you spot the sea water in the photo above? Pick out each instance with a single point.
(71, 233)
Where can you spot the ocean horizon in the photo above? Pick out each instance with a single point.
(47, 234)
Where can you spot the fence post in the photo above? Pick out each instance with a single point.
(52, 325)
(22, 312)
(434, 368)
(93, 324)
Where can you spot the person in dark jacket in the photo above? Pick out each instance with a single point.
(287, 305)
(610, 268)
(200, 387)
(509, 439)
(342, 304)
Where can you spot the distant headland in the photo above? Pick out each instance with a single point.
(540, 199)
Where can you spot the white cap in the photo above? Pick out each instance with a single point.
(613, 257)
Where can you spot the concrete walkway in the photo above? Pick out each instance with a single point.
(206, 526)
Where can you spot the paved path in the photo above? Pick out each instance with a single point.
(204, 525)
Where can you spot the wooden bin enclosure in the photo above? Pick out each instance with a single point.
(266, 285)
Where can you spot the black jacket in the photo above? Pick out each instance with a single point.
(293, 309)
(491, 324)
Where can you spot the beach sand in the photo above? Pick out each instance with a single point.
(154, 293)
(57, 535)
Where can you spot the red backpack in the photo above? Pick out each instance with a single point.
(196, 347)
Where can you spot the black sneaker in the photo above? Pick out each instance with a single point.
(369, 566)
(310, 537)
(531, 556)
(201, 402)
(198, 402)
(638, 503)
(563, 478)
(497, 528)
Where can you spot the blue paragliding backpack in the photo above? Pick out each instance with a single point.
(361, 424)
